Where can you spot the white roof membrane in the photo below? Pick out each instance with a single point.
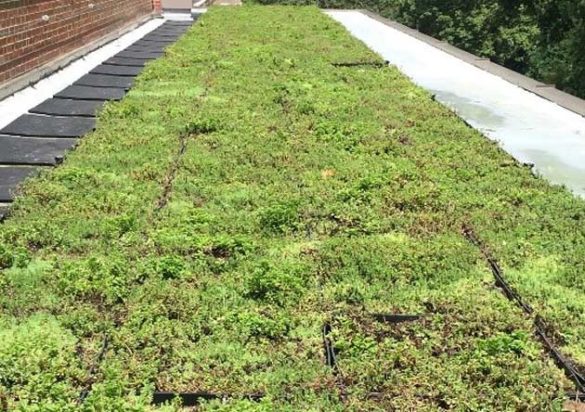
(529, 127)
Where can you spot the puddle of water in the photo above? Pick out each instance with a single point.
(468, 109)
(530, 128)
(557, 171)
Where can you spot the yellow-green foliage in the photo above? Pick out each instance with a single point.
(245, 192)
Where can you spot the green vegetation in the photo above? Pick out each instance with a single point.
(541, 38)
(245, 193)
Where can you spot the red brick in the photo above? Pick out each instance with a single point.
(27, 42)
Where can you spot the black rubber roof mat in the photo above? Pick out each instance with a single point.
(10, 177)
(162, 39)
(147, 55)
(20, 150)
(164, 33)
(150, 48)
(68, 107)
(168, 32)
(48, 126)
(147, 42)
(109, 69)
(125, 61)
(161, 36)
(151, 43)
(170, 29)
(178, 22)
(91, 93)
(102, 80)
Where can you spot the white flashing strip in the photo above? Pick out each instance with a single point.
(178, 16)
(529, 127)
(29, 97)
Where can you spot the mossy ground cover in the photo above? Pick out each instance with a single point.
(245, 193)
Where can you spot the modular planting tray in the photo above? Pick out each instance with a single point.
(542, 329)
(329, 348)
(375, 64)
(195, 398)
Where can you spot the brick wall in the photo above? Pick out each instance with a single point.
(35, 32)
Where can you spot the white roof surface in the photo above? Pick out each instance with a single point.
(529, 127)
